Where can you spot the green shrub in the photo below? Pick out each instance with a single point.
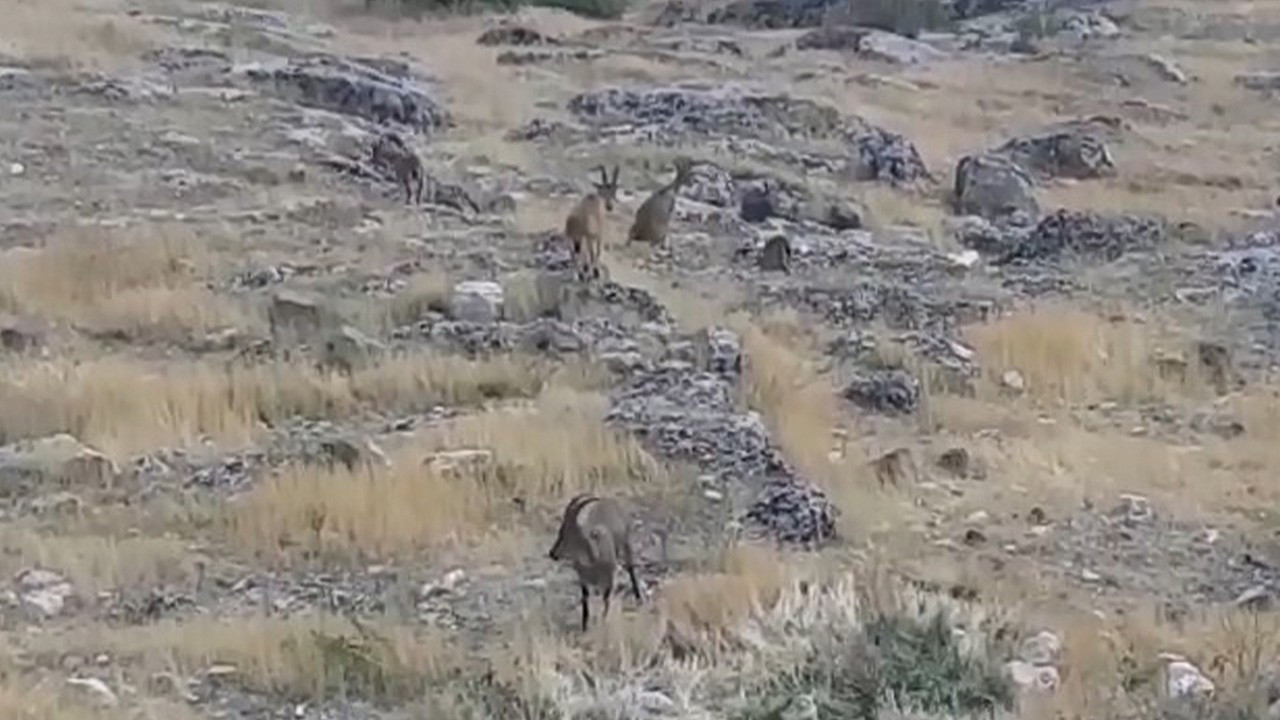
(910, 663)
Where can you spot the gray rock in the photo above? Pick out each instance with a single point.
(893, 48)
(1073, 150)
(1043, 648)
(892, 391)
(476, 301)
(27, 464)
(296, 312)
(96, 690)
(1033, 678)
(1088, 25)
(378, 90)
(795, 512)
(43, 591)
(514, 35)
(993, 187)
(354, 453)
(773, 14)
(682, 112)
(720, 350)
(1166, 68)
(775, 256)
(348, 349)
(20, 335)
(1088, 236)
(977, 233)
(1268, 81)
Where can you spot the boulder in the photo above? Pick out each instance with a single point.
(44, 592)
(1072, 150)
(891, 391)
(296, 312)
(375, 89)
(994, 188)
(348, 349)
(894, 48)
(476, 301)
(27, 464)
(353, 453)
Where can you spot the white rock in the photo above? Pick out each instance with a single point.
(713, 495)
(654, 702)
(98, 692)
(44, 590)
(1042, 679)
(1166, 69)
(458, 461)
(1185, 680)
(16, 169)
(965, 258)
(1043, 648)
(1013, 380)
(478, 301)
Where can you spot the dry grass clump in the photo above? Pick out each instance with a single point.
(123, 406)
(95, 563)
(1072, 356)
(423, 293)
(705, 612)
(304, 657)
(140, 282)
(70, 33)
(532, 457)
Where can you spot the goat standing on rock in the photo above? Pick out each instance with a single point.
(585, 225)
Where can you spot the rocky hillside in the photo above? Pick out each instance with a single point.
(950, 391)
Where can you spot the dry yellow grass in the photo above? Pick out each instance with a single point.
(538, 455)
(1067, 355)
(95, 563)
(75, 33)
(122, 405)
(286, 656)
(141, 282)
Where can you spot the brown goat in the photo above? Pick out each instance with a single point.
(585, 225)
(653, 217)
(390, 152)
(594, 537)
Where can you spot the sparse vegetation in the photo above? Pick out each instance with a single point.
(905, 17)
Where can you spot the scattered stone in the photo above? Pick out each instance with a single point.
(1088, 25)
(447, 585)
(1087, 236)
(97, 690)
(514, 35)
(476, 301)
(44, 591)
(896, 467)
(888, 391)
(795, 513)
(993, 187)
(776, 255)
